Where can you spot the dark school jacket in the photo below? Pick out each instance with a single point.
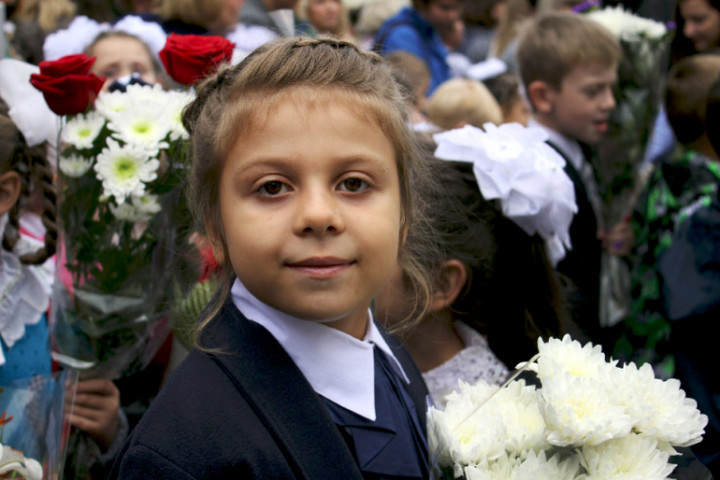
(247, 412)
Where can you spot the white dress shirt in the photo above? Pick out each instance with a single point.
(338, 366)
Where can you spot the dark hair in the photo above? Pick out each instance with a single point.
(686, 94)
(35, 174)
(682, 46)
(237, 98)
(511, 293)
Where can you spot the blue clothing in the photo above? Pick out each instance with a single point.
(408, 31)
(29, 356)
(242, 409)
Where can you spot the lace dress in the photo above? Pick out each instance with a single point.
(475, 362)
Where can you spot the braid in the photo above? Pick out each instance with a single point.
(19, 162)
(43, 177)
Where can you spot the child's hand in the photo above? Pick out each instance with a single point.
(95, 411)
(619, 240)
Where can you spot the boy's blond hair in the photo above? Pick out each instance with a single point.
(463, 101)
(688, 86)
(552, 45)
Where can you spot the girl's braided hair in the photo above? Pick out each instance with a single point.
(36, 177)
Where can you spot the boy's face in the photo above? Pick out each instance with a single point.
(442, 14)
(580, 109)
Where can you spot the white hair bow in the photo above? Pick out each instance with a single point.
(513, 164)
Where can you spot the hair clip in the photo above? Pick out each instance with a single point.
(513, 164)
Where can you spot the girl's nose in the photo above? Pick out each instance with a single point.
(319, 213)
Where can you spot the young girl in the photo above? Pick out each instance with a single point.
(25, 179)
(302, 163)
(121, 56)
(494, 291)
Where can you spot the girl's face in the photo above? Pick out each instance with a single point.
(324, 15)
(702, 24)
(118, 57)
(311, 212)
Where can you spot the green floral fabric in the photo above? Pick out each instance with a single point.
(675, 189)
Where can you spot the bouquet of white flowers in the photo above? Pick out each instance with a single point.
(591, 419)
(122, 212)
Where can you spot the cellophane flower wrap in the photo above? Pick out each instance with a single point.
(590, 419)
(123, 221)
(645, 47)
(32, 435)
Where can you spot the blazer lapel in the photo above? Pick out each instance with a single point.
(281, 396)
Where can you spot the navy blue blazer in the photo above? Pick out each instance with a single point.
(246, 412)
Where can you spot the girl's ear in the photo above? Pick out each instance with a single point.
(10, 186)
(451, 282)
(540, 95)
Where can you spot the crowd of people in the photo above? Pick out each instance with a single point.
(366, 248)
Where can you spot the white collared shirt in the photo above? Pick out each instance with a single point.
(338, 366)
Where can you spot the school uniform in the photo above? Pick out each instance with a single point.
(582, 262)
(246, 410)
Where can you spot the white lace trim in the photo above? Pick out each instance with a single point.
(24, 293)
(473, 363)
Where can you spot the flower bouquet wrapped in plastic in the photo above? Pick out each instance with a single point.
(645, 48)
(123, 218)
(32, 437)
(589, 419)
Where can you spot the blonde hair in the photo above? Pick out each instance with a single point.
(462, 100)
(552, 45)
(302, 10)
(196, 12)
(237, 99)
(50, 14)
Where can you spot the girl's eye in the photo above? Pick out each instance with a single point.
(354, 185)
(272, 188)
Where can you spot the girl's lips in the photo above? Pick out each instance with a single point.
(321, 267)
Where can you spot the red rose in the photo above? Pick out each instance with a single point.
(67, 85)
(190, 58)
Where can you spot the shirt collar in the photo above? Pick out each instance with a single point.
(338, 366)
(569, 147)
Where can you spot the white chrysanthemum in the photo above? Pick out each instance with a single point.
(539, 467)
(659, 408)
(176, 102)
(137, 209)
(628, 458)
(75, 166)
(82, 130)
(110, 104)
(518, 406)
(457, 436)
(579, 411)
(123, 169)
(624, 24)
(558, 357)
(502, 468)
(13, 462)
(145, 126)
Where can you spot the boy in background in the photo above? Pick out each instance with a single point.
(568, 68)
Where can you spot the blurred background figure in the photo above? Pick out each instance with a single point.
(327, 17)
(459, 102)
(506, 90)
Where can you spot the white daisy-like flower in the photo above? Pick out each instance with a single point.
(147, 127)
(626, 25)
(659, 408)
(123, 169)
(129, 213)
(176, 102)
(110, 104)
(539, 467)
(82, 130)
(75, 166)
(148, 204)
(13, 462)
(628, 458)
(579, 411)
